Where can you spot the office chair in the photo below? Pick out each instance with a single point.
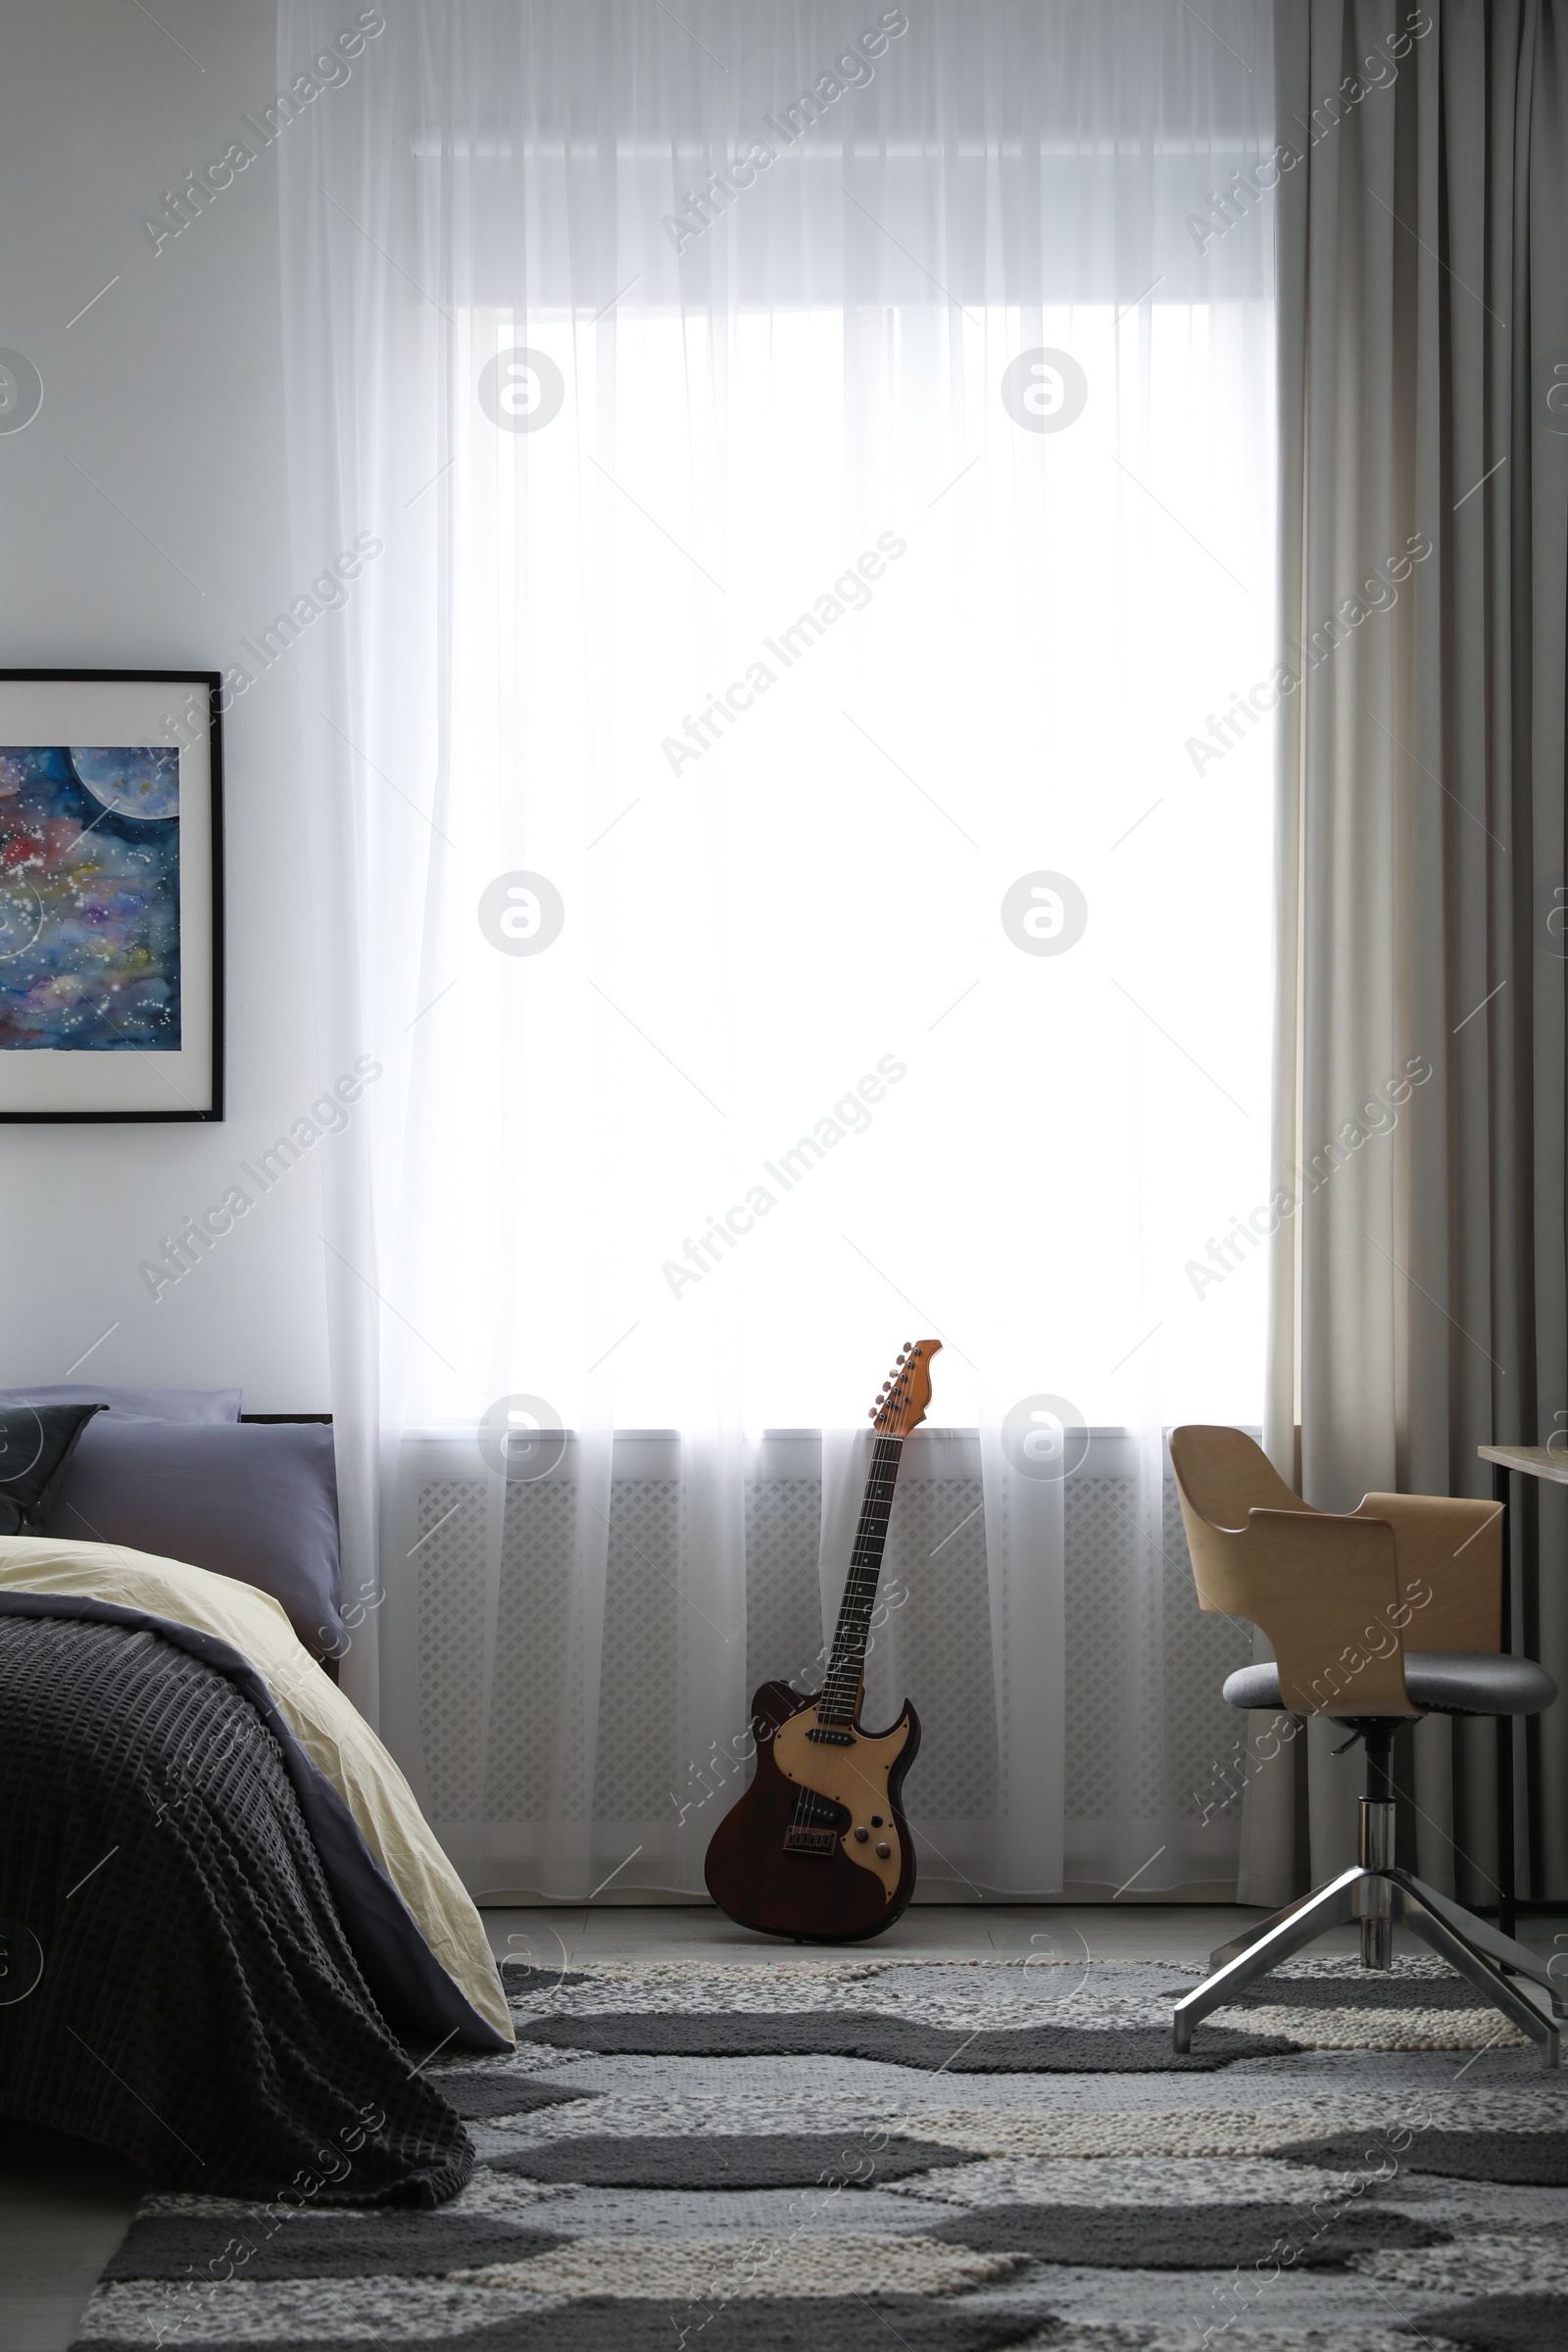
(1338, 1597)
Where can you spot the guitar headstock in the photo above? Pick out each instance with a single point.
(907, 1391)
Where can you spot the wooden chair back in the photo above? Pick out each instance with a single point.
(1339, 1596)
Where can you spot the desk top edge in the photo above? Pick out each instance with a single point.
(1535, 1461)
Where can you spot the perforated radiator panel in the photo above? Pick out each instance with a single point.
(491, 1664)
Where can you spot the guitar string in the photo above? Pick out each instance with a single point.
(839, 1701)
(805, 1802)
(870, 1548)
(870, 1540)
(876, 1508)
(870, 1534)
(805, 1798)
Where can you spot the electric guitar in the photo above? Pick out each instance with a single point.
(817, 1848)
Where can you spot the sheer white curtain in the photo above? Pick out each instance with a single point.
(790, 825)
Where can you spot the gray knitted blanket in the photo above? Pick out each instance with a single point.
(188, 1936)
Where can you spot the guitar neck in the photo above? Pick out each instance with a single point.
(841, 1687)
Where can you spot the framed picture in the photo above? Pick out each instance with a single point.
(110, 896)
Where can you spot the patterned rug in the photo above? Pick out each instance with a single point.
(945, 2155)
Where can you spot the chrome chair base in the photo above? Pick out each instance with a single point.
(1378, 1893)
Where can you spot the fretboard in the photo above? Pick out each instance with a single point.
(841, 1689)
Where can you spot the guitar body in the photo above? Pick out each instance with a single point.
(786, 1858)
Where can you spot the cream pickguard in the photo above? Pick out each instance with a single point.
(855, 1776)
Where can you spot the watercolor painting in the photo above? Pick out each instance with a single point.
(89, 899)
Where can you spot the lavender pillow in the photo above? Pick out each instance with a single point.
(253, 1501)
(147, 1404)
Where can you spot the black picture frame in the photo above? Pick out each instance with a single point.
(211, 970)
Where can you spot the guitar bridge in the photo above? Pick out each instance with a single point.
(810, 1842)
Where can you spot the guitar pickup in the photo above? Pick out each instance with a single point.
(825, 1737)
(810, 1842)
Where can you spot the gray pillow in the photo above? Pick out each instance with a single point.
(37, 1442)
(149, 1405)
(252, 1500)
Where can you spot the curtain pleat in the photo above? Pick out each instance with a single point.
(1419, 1286)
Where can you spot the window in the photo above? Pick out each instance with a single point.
(792, 651)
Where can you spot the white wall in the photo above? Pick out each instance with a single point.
(167, 393)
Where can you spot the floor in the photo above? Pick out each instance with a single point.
(65, 2206)
(64, 2209)
(562, 1937)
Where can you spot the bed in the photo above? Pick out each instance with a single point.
(228, 1941)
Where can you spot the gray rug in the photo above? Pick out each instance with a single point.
(865, 2152)
(897, 2041)
(1526, 2159)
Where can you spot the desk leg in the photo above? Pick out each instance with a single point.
(1506, 1890)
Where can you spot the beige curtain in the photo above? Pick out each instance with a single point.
(1419, 1304)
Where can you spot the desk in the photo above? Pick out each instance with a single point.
(1527, 1461)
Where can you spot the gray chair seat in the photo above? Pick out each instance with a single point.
(1441, 1682)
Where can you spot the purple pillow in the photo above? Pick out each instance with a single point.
(147, 1404)
(253, 1501)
